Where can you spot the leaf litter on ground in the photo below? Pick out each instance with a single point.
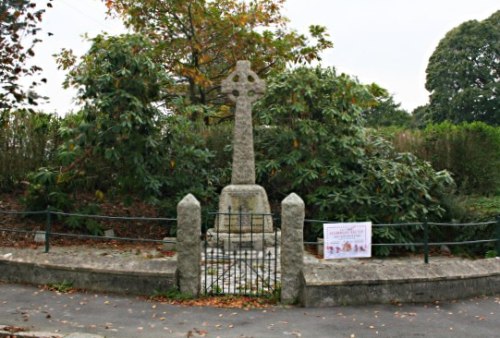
(228, 301)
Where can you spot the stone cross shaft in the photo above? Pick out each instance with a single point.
(243, 86)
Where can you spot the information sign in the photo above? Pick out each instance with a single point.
(347, 240)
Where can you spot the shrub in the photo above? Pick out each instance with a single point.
(313, 143)
(46, 189)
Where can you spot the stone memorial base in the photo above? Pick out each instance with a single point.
(243, 241)
(244, 209)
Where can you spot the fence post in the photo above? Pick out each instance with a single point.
(292, 247)
(48, 228)
(497, 247)
(188, 245)
(426, 242)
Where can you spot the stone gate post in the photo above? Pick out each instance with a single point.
(188, 245)
(292, 247)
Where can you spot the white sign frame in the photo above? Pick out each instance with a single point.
(347, 240)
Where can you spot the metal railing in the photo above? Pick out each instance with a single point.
(49, 222)
(425, 226)
(425, 243)
(240, 254)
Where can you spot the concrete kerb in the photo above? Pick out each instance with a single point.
(5, 331)
(39, 334)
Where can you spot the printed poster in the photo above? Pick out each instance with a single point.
(347, 240)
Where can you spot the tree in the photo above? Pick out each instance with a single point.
(19, 21)
(385, 112)
(421, 116)
(463, 74)
(199, 41)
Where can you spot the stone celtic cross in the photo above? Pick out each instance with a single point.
(243, 86)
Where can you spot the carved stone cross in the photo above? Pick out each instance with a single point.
(243, 86)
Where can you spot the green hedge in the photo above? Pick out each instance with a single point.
(470, 151)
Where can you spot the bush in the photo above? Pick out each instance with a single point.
(190, 167)
(313, 143)
(46, 189)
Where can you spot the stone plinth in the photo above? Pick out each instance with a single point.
(251, 200)
(242, 241)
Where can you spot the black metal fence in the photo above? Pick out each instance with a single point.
(49, 221)
(240, 254)
(256, 232)
(425, 227)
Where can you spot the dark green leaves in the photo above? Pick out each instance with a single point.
(312, 142)
(463, 74)
(119, 125)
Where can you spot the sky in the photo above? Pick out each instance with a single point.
(384, 41)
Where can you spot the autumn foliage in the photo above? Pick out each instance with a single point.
(199, 41)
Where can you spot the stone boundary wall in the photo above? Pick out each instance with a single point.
(399, 292)
(125, 282)
(442, 281)
(446, 279)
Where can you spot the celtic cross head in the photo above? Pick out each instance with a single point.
(243, 85)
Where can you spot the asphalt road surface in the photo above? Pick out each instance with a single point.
(121, 316)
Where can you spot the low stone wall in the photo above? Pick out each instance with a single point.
(102, 269)
(126, 282)
(403, 280)
(399, 292)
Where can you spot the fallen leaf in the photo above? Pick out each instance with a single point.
(200, 332)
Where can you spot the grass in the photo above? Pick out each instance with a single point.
(62, 287)
(173, 294)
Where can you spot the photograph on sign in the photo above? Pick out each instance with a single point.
(347, 240)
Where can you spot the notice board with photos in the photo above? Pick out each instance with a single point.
(347, 240)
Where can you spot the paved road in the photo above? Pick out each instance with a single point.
(121, 316)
